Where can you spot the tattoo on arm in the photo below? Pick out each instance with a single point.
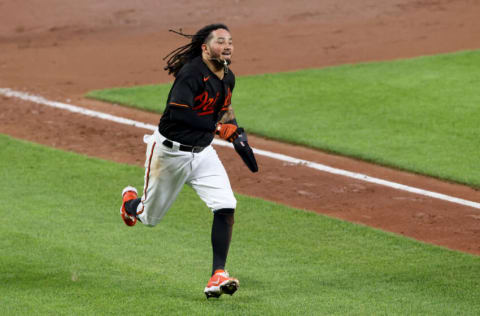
(229, 116)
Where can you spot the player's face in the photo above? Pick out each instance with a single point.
(220, 45)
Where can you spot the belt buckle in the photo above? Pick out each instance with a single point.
(197, 149)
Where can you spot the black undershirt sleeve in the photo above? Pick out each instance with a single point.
(190, 118)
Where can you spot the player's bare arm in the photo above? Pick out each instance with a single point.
(229, 116)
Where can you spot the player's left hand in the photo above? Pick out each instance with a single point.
(227, 131)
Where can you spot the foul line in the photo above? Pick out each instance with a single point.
(75, 109)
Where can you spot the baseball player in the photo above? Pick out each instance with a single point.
(179, 151)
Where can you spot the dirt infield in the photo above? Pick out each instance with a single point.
(62, 49)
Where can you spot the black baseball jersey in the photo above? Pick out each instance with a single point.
(197, 101)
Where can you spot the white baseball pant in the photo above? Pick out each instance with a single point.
(168, 169)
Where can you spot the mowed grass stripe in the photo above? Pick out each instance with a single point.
(419, 114)
(65, 250)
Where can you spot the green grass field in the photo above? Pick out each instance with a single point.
(419, 115)
(65, 251)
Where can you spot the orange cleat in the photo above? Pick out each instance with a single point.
(128, 194)
(221, 283)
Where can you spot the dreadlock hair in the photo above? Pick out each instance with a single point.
(183, 54)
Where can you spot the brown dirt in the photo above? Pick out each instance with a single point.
(62, 49)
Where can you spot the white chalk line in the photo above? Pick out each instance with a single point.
(309, 164)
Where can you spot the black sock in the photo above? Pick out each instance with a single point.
(221, 236)
(131, 206)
